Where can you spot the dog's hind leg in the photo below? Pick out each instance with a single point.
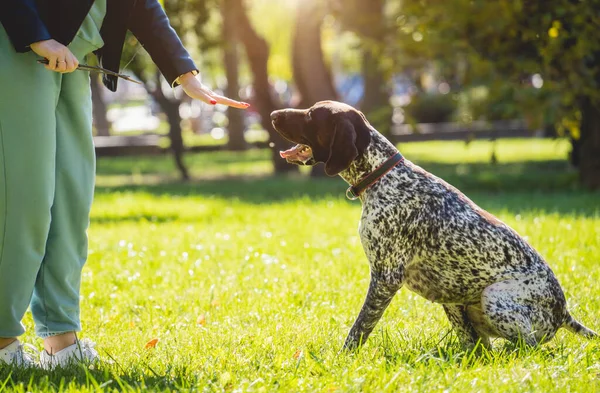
(523, 309)
(459, 319)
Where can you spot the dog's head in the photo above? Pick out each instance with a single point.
(329, 132)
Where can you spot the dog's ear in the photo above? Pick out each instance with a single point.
(351, 136)
(342, 149)
(363, 132)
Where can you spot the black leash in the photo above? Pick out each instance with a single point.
(353, 192)
(85, 67)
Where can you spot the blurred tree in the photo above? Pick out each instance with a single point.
(311, 75)
(548, 51)
(264, 100)
(367, 19)
(99, 106)
(169, 104)
(189, 18)
(231, 59)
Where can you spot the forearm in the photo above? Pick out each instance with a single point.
(22, 23)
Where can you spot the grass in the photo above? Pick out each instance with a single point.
(251, 282)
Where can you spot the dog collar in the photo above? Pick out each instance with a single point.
(353, 192)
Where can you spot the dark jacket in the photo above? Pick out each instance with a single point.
(29, 21)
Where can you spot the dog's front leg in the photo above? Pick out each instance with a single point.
(379, 296)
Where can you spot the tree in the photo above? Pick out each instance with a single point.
(188, 16)
(311, 75)
(99, 106)
(367, 19)
(231, 59)
(257, 53)
(556, 42)
(169, 104)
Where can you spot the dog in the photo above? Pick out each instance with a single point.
(420, 232)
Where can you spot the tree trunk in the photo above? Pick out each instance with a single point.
(575, 152)
(589, 145)
(235, 116)
(171, 109)
(311, 74)
(376, 99)
(367, 19)
(99, 108)
(375, 103)
(257, 51)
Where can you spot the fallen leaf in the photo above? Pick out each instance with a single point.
(297, 354)
(201, 320)
(152, 343)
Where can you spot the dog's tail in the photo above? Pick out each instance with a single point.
(575, 326)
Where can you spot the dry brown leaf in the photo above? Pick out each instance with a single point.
(152, 343)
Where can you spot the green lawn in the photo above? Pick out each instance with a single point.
(251, 282)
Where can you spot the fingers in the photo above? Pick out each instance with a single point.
(206, 95)
(72, 63)
(229, 102)
(61, 65)
(51, 63)
(197, 90)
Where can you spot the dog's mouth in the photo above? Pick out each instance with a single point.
(299, 154)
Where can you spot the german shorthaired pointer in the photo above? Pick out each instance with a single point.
(419, 231)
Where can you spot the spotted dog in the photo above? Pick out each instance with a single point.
(421, 232)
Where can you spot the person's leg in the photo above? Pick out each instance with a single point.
(28, 96)
(55, 304)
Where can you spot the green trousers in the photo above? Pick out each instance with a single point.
(47, 167)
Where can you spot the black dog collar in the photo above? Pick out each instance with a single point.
(353, 192)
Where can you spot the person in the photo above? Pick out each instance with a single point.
(47, 160)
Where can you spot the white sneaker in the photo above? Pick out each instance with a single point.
(14, 354)
(81, 352)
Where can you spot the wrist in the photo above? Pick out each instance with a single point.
(186, 78)
(41, 42)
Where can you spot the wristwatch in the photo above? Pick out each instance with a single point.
(178, 82)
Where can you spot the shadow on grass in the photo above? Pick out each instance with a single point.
(443, 349)
(164, 164)
(398, 351)
(150, 218)
(549, 186)
(103, 378)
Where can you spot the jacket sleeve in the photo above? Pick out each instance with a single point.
(149, 23)
(22, 23)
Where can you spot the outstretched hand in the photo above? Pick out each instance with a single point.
(197, 90)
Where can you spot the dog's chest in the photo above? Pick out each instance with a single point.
(386, 244)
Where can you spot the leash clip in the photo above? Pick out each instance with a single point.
(350, 194)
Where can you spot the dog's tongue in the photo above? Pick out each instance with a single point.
(289, 152)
